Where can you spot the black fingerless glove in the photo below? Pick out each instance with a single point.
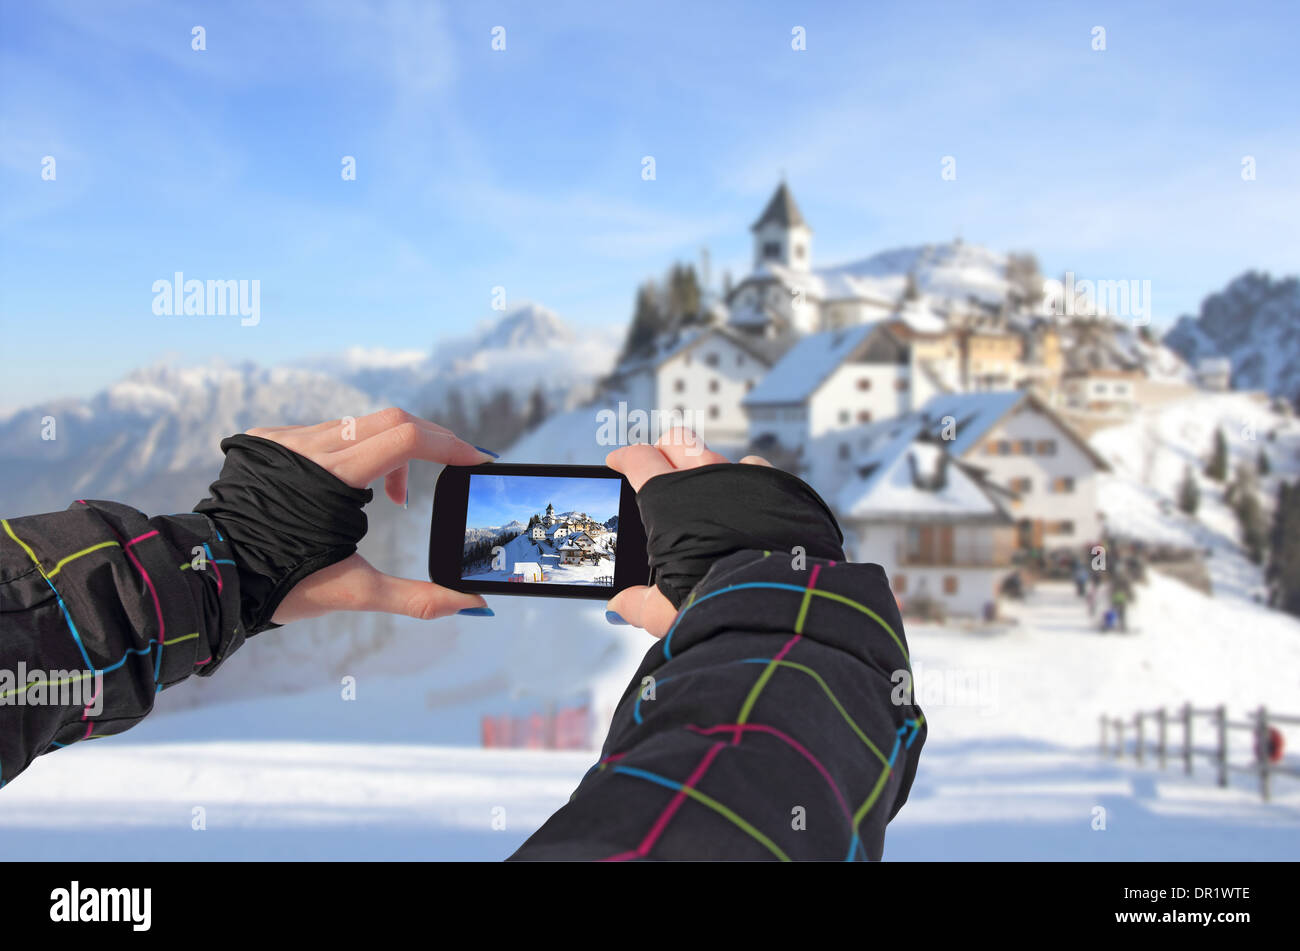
(694, 517)
(285, 518)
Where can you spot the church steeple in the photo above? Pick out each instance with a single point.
(781, 235)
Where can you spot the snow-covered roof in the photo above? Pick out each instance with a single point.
(901, 480)
(668, 346)
(974, 414)
(807, 364)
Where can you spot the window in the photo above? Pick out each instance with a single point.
(864, 384)
(1063, 484)
(900, 385)
(1004, 447)
(772, 249)
(844, 417)
(714, 412)
(711, 359)
(798, 251)
(1025, 447)
(864, 416)
(1060, 528)
(713, 386)
(1046, 447)
(949, 584)
(679, 386)
(900, 584)
(1022, 484)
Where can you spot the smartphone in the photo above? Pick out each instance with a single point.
(544, 531)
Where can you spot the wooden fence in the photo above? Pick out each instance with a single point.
(1268, 758)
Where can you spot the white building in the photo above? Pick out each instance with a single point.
(1214, 373)
(1027, 449)
(827, 386)
(701, 375)
(938, 527)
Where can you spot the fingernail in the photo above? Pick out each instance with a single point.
(488, 452)
(613, 617)
(407, 501)
(477, 612)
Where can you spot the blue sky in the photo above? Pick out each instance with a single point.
(522, 168)
(498, 500)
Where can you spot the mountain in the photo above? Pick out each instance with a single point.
(151, 439)
(1255, 323)
(525, 349)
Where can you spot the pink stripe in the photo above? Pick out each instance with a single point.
(157, 605)
(218, 571)
(141, 538)
(200, 663)
(671, 809)
(762, 728)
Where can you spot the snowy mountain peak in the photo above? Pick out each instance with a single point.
(527, 327)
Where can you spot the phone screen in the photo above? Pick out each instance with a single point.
(541, 530)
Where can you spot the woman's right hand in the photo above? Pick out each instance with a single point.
(645, 606)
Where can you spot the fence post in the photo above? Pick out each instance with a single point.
(1161, 724)
(1187, 738)
(1261, 751)
(1138, 739)
(1119, 738)
(1221, 715)
(1103, 735)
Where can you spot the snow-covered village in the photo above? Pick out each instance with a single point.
(557, 548)
(1056, 399)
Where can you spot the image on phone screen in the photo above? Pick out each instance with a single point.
(541, 530)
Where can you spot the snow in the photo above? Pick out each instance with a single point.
(803, 369)
(889, 491)
(1010, 772)
(974, 413)
(523, 551)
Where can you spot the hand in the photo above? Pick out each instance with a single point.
(642, 606)
(381, 444)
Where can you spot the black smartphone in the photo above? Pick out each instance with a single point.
(544, 531)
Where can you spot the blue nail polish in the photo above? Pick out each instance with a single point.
(489, 452)
(477, 612)
(407, 501)
(613, 617)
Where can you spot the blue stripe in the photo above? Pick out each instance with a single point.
(778, 585)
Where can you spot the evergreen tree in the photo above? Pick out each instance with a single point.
(537, 409)
(648, 321)
(1189, 494)
(1262, 465)
(1284, 550)
(1217, 469)
(1250, 516)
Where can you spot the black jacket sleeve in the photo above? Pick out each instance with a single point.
(101, 607)
(772, 721)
